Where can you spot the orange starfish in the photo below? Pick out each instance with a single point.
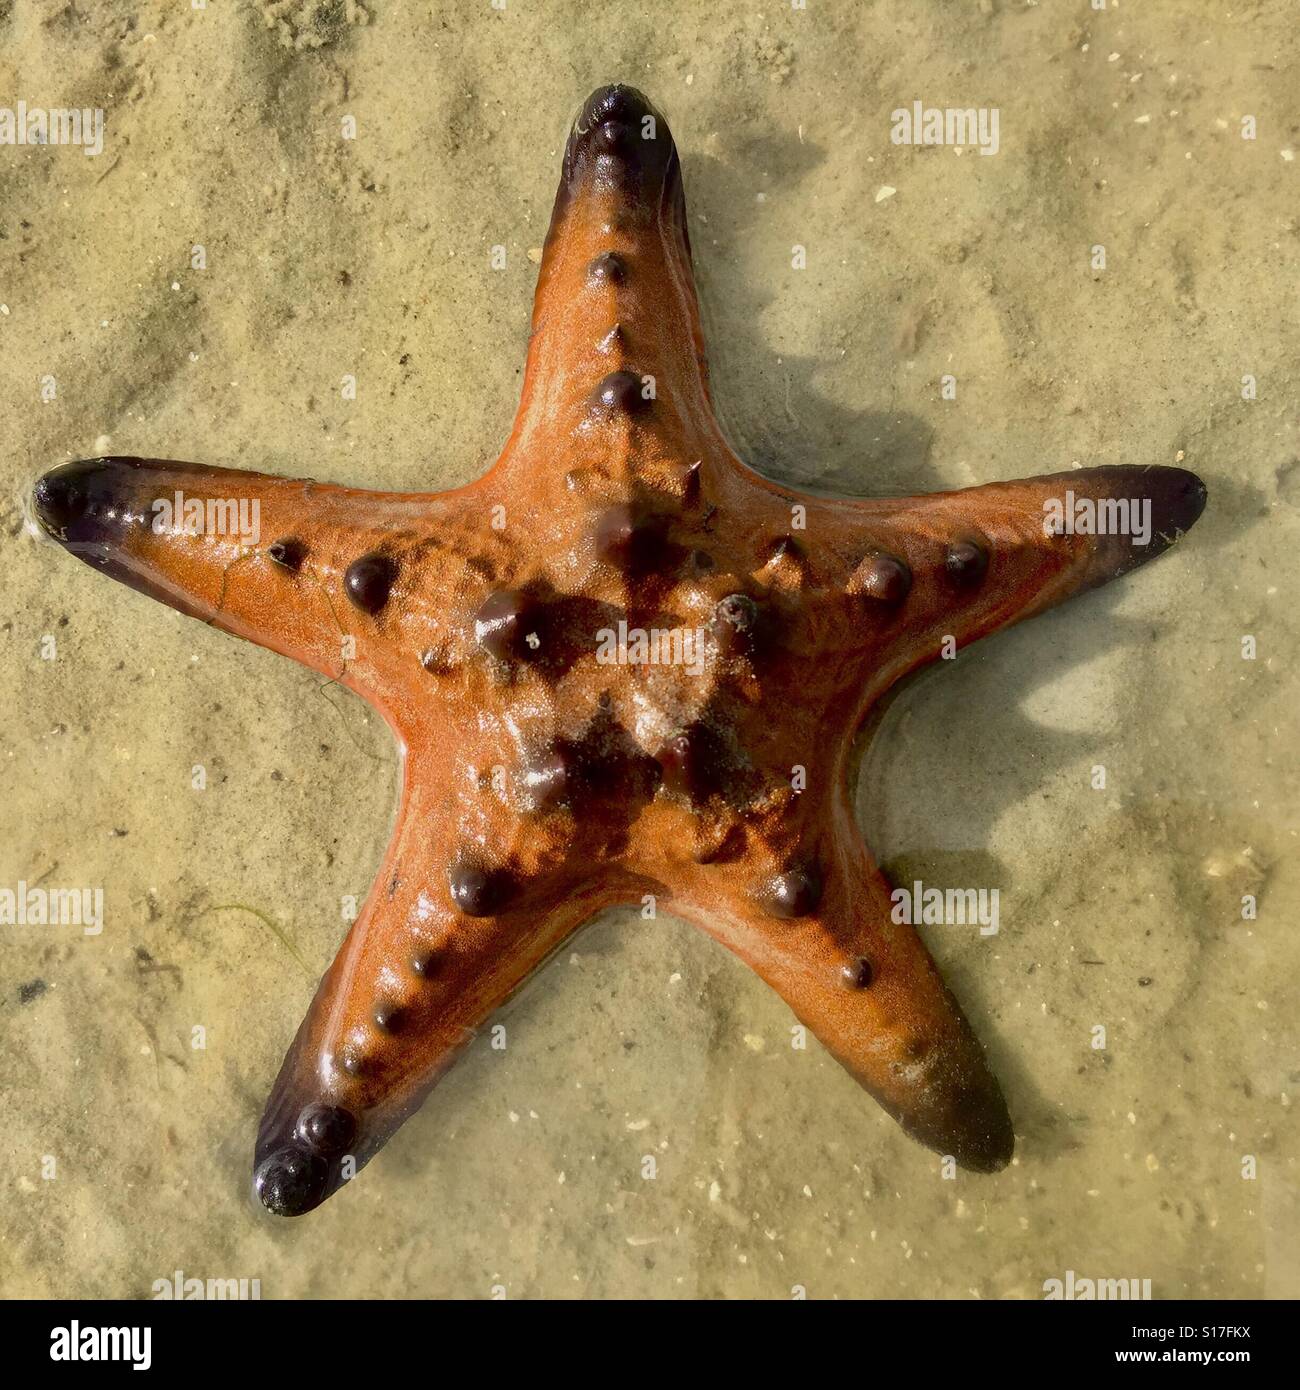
(618, 665)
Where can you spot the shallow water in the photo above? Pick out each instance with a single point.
(126, 1150)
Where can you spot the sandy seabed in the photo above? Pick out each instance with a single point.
(125, 1152)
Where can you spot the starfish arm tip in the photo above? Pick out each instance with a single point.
(866, 987)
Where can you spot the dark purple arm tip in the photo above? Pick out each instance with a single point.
(88, 502)
(1177, 498)
(973, 1126)
(620, 139)
(1180, 497)
(100, 511)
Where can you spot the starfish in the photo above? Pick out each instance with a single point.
(621, 667)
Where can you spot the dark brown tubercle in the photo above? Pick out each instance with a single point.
(547, 777)
(857, 974)
(883, 577)
(291, 1181)
(368, 582)
(425, 962)
(609, 268)
(328, 1129)
(621, 393)
(794, 893)
(390, 1018)
(479, 890)
(288, 553)
(632, 539)
(966, 562)
(509, 625)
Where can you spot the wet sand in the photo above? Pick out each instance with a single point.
(1120, 908)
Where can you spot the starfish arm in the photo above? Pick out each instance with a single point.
(294, 565)
(978, 560)
(866, 987)
(437, 948)
(615, 317)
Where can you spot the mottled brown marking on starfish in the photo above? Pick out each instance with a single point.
(540, 783)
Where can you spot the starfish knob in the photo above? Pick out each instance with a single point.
(620, 664)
